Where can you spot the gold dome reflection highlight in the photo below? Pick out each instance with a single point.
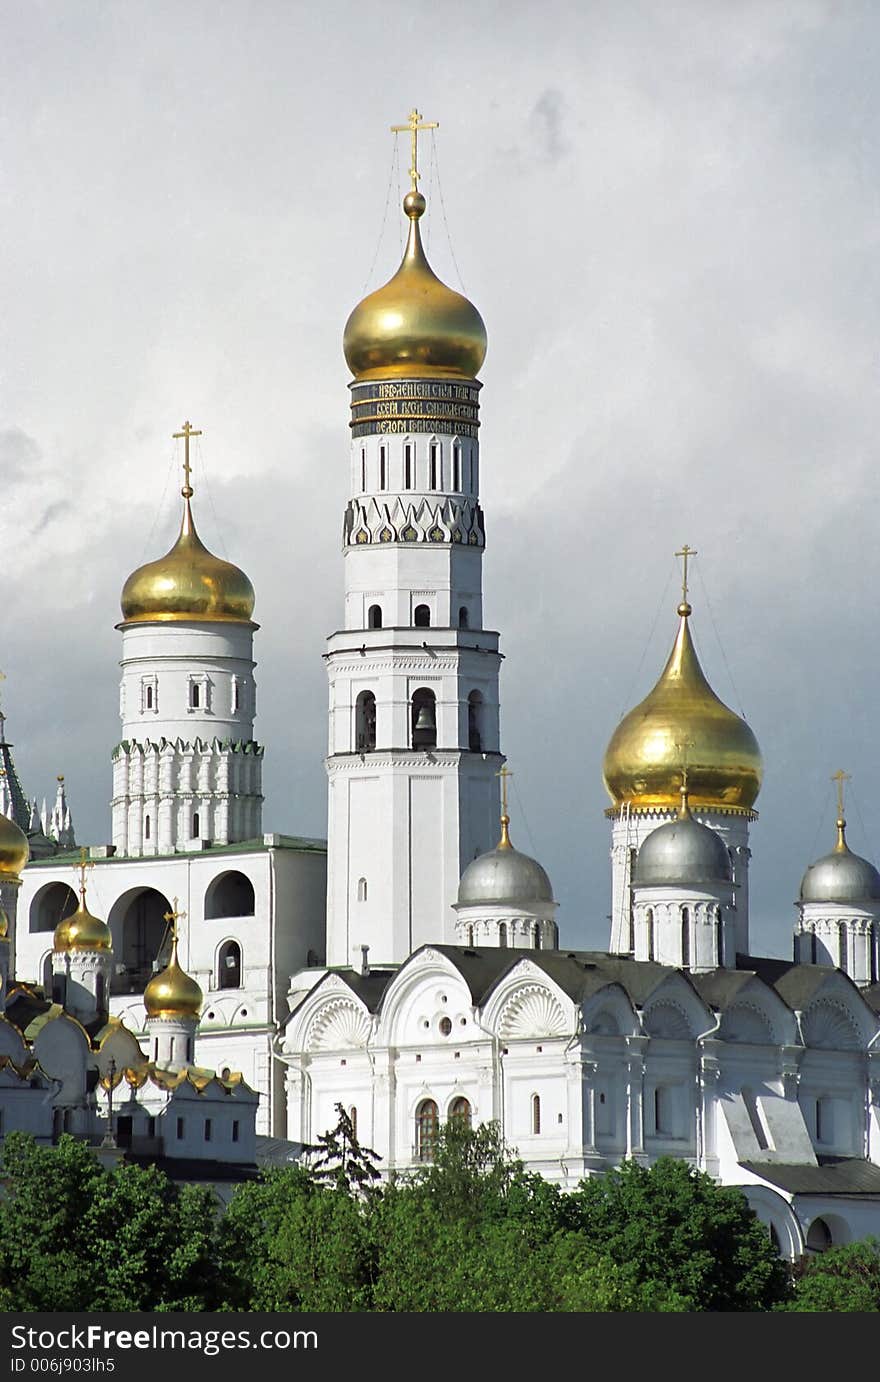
(415, 327)
(173, 993)
(682, 722)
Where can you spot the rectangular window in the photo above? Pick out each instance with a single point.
(195, 695)
(824, 1121)
(207, 1130)
(363, 469)
(236, 696)
(383, 468)
(407, 466)
(433, 459)
(663, 1124)
(456, 468)
(180, 1129)
(235, 1129)
(151, 1127)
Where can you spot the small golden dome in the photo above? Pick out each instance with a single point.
(189, 582)
(82, 931)
(414, 327)
(682, 722)
(173, 993)
(14, 850)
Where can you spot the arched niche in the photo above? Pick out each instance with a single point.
(231, 894)
(50, 905)
(140, 935)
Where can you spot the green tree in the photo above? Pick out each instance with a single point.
(671, 1228)
(845, 1278)
(74, 1236)
(339, 1159)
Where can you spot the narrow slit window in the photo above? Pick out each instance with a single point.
(196, 823)
(536, 1114)
(383, 467)
(407, 466)
(456, 468)
(434, 459)
(146, 827)
(363, 469)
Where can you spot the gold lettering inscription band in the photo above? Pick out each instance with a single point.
(412, 405)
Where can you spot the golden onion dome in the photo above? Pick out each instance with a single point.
(415, 327)
(81, 930)
(682, 722)
(189, 582)
(14, 850)
(173, 993)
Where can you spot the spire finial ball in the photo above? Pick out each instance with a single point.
(414, 205)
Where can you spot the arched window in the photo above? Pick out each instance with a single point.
(649, 918)
(195, 695)
(434, 460)
(843, 948)
(196, 825)
(47, 973)
(536, 1114)
(814, 948)
(149, 696)
(424, 719)
(51, 905)
(146, 827)
(427, 1124)
(422, 617)
(374, 617)
(365, 721)
(819, 1237)
(502, 935)
(475, 722)
(719, 937)
(138, 918)
(383, 467)
(230, 895)
(362, 890)
(460, 1111)
(536, 938)
(463, 617)
(470, 937)
(229, 966)
(872, 941)
(456, 467)
(407, 466)
(685, 938)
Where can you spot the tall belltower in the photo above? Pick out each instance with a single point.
(414, 737)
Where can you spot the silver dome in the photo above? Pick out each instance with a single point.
(682, 851)
(504, 875)
(841, 876)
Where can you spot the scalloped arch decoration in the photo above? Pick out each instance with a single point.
(668, 1022)
(830, 1027)
(340, 1026)
(744, 1023)
(532, 1011)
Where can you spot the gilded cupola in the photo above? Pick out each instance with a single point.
(14, 850)
(81, 930)
(681, 722)
(189, 582)
(173, 992)
(414, 327)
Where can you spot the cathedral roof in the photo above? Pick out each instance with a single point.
(682, 852)
(841, 876)
(189, 582)
(682, 721)
(503, 876)
(414, 327)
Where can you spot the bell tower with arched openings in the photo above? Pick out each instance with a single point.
(413, 736)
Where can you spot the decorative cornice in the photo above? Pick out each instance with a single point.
(405, 520)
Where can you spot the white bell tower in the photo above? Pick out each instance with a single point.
(414, 735)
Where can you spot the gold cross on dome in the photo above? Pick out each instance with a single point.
(82, 868)
(414, 124)
(684, 554)
(504, 773)
(173, 917)
(186, 433)
(840, 777)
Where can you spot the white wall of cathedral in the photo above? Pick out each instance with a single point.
(689, 928)
(81, 981)
(417, 465)
(507, 927)
(579, 1086)
(413, 585)
(628, 833)
(844, 936)
(262, 909)
(187, 705)
(402, 828)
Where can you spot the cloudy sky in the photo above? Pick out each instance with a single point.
(668, 216)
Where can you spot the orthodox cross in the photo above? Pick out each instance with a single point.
(85, 863)
(187, 432)
(840, 777)
(173, 917)
(414, 124)
(504, 774)
(684, 554)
